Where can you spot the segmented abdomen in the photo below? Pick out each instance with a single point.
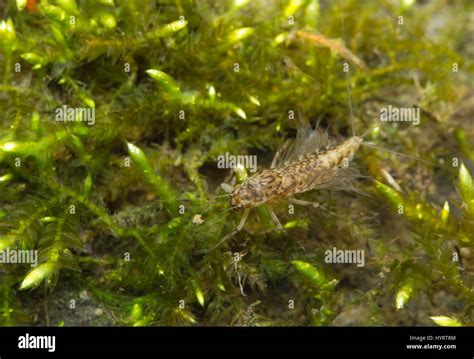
(310, 172)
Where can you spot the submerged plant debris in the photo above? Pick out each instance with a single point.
(114, 115)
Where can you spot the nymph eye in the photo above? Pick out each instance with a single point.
(251, 184)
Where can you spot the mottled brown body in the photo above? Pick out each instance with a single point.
(313, 171)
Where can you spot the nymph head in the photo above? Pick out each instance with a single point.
(249, 194)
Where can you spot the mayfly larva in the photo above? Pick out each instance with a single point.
(317, 170)
(307, 165)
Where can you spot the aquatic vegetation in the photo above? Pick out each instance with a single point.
(114, 115)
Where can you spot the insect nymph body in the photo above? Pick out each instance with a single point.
(308, 164)
(307, 172)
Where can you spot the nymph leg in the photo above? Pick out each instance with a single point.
(274, 217)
